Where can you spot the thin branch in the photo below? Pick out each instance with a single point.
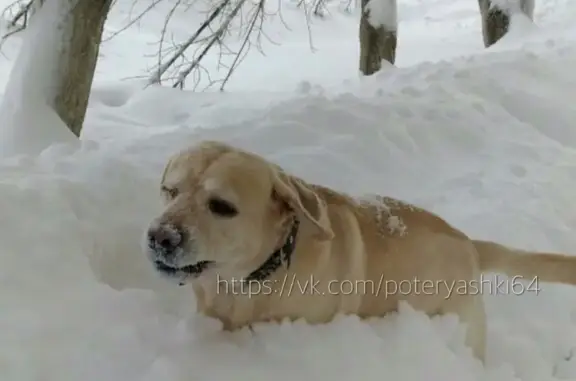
(164, 67)
(22, 13)
(163, 33)
(259, 11)
(25, 12)
(182, 76)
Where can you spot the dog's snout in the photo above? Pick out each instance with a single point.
(164, 237)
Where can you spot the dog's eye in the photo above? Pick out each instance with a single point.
(222, 208)
(171, 192)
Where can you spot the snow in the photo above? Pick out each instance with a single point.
(514, 6)
(32, 86)
(485, 138)
(383, 13)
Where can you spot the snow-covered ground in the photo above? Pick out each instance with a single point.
(485, 138)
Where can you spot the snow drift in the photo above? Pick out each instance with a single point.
(491, 150)
(487, 141)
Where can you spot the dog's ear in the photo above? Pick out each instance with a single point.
(302, 198)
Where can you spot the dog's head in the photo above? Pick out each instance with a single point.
(227, 209)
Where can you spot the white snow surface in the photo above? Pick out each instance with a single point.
(383, 13)
(485, 138)
(32, 85)
(514, 6)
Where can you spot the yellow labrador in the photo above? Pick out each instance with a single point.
(258, 244)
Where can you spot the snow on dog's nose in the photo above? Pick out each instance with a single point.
(164, 239)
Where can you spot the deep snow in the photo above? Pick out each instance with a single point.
(486, 140)
(33, 85)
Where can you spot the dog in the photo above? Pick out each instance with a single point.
(258, 244)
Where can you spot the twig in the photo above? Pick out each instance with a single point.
(164, 67)
(183, 74)
(244, 43)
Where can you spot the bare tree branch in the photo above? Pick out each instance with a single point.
(19, 21)
(215, 37)
(25, 12)
(224, 19)
(162, 68)
(260, 11)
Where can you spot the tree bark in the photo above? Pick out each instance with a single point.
(376, 44)
(78, 62)
(495, 22)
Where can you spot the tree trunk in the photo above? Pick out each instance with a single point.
(376, 44)
(78, 62)
(495, 21)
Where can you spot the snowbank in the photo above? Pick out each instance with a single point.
(488, 142)
(29, 123)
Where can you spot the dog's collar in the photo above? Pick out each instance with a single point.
(277, 258)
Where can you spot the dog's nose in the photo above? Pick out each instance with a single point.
(164, 237)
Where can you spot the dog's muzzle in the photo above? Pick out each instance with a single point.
(165, 240)
(165, 249)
